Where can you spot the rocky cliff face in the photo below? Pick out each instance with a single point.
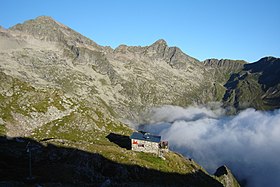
(256, 85)
(226, 177)
(58, 85)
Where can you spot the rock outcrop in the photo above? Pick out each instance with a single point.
(226, 177)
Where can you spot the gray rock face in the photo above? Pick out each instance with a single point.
(226, 177)
(46, 28)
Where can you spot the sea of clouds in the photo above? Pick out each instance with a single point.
(248, 143)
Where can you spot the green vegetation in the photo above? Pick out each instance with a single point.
(103, 82)
(26, 100)
(10, 103)
(2, 130)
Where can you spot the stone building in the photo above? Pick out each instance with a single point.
(146, 142)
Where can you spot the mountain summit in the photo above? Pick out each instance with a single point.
(159, 44)
(47, 29)
(44, 28)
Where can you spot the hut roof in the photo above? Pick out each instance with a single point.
(145, 136)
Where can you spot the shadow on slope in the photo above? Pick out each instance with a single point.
(61, 166)
(120, 140)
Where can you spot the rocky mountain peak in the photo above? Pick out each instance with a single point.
(268, 60)
(223, 170)
(173, 55)
(158, 47)
(42, 25)
(46, 18)
(121, 48)
(160, 42)
(265, 64)
(48, 29)
(226, 176)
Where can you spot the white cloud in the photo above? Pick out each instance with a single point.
(249, 143)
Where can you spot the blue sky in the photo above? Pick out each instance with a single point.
(232, 29)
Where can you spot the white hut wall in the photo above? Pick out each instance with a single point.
(144, 146)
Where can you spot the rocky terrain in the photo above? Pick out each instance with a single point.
(256, 85)
(62, 88)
